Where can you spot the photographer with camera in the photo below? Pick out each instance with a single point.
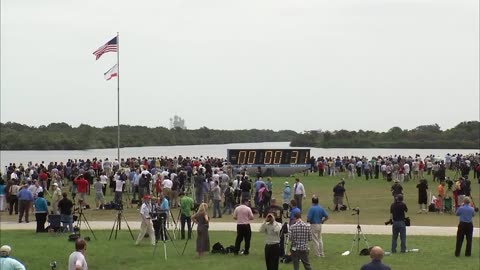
(397, 218)
(147, 225)
(338, 193)
(271, 229)
(186, 206)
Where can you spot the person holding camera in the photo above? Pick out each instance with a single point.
(146, 225)
(397, 216)
(82, 188)
(186, 206)
(271, 229)
(465, 227)
(338, 193)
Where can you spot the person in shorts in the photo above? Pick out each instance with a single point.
(99, 198)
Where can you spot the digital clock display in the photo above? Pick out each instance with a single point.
(268, 156)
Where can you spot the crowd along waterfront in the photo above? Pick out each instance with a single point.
(216, 150)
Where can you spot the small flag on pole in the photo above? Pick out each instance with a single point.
(113, 72)
(111, 46)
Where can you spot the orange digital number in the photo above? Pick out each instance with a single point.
(277, 159)
(294, 157)
(242, 155)
(251, 157)
(307, 154)
(268, 157)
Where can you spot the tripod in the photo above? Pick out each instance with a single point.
(81, 216)
(175, 229)
(188, 238)
(164, 236)
(117, 224)
(359, 232)
(348, 203)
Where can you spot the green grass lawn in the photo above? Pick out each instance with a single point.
(36, 251)
(373, 197)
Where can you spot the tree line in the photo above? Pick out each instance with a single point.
(61, 136)
(465, 135)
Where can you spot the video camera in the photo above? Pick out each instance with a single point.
(356, 211)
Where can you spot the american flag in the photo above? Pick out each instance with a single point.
(111, 46)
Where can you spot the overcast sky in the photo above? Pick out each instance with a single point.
(266, 64)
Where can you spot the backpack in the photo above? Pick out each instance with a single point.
(218, 248)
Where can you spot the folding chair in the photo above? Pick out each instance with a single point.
(54, 223)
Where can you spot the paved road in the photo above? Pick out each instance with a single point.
(230, 226)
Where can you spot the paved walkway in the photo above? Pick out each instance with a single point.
(230, 226)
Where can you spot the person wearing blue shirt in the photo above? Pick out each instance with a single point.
(316, 217)
(41, 212)
(25, 199)
(465, 227)
(293, 211)
(164, 210)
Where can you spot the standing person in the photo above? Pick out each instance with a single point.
(65, 205)
(316, 217)
(186, 206)
(2, 195)
(41, 212)
(338, 193)
(99, 198)
(397, 214)
(56, 197)
(7, 263)
(164, 209)
(82, 188)
(441, 195)
(243, 214)
(13, 198)
(287, 193)
(422, 196)
(217, 198)
(293, 210)
(146, 225)
(76, 260)
(25, 200)
(299, 193)
(271, 228)
(396, 189)
(376, 254)
(465, 227)
(203, 240)
(299, 234)
(118, 199)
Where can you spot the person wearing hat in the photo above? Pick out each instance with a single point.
(287, 193)
(56, 197)
(397, 215)
(147, 225)
(41, 212)
(7, 263)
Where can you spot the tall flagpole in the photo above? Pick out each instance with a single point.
(118, 97)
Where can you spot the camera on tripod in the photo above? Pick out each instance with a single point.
(119, 206)
(356, 211)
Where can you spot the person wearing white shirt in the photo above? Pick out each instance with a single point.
(407, 171)
(299, 193)
(147, 225)
(167, 188)
(76, 260)
(118, 190)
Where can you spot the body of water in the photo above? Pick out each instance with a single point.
(215, 150)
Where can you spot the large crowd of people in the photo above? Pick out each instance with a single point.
(157, 185)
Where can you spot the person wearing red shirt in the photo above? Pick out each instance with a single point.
(82, 188)
(43, 176)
